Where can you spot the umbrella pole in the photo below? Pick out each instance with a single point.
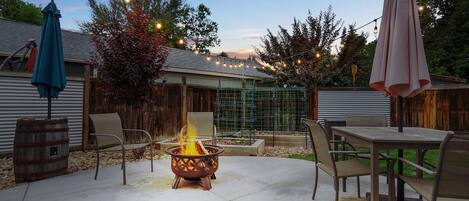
(49, 104)
(400, 152)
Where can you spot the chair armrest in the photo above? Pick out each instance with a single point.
(343, 142)
(141, 131)
(107, 135)
(417, 166)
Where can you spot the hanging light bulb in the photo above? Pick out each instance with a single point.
(298, 61)
(209, 58)
(421, 8)
(342, 45)
(159, 25)
(231, 65)
(196, 51)
(284, 65)
(224, 64)
(181, 41)
(217, 62)
(127, 1)
(375, 30)
(318, 55)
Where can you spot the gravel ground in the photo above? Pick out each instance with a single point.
(78, 160)
(85, 160)
(285, 151)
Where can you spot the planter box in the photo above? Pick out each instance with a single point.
(285, 140)
(255, 149)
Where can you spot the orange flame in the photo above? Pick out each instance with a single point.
(188, 140)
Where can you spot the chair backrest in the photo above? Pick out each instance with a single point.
(452, 179)
(202, 122)
(107, 123)
(328, 126)
(365, 121)
(320, 142)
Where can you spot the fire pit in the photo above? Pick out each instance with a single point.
(195, 168)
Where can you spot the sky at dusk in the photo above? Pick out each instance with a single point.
(242, 22)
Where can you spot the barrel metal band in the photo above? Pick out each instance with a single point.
(40, 161)
(48, 130)
(42, 144)
(27, 176)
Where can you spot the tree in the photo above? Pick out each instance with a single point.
(173, 17)
(445, 25)
(201, 30)
(129, 53)
(20, 11)
(296, 58)
(223, 54)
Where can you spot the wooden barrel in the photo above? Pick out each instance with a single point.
(40, 148)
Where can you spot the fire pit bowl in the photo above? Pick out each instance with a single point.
(195, 168)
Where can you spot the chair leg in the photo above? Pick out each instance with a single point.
(123, 167)
(358, 187)
(97, 164)
(151, 157)
(315, 183)
(336, 187)
(344, 184)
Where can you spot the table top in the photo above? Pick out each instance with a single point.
(390, 134)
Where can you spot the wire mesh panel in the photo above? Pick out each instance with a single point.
(266, 110)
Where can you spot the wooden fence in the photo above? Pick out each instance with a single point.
(444, 108)
(161, 116)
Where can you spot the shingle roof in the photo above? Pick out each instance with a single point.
(78, 48)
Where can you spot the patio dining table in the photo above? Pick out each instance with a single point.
(387, 138)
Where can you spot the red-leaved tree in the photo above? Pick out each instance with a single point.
(129, 53)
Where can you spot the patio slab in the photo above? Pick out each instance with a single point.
(238, 178)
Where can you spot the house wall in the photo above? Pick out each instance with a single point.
(18, 99)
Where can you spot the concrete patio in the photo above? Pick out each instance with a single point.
(239, 178)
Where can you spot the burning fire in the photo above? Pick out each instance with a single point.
(188, 140)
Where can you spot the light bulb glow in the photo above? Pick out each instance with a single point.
(421, 8)
(159, 25)
(318, 55)
(181, 41)
(209, 58)
(298, 61)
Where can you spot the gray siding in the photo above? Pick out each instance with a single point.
(18, 98)
(335, 105)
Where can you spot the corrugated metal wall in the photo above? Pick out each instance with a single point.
(336, 105)
(18, 98)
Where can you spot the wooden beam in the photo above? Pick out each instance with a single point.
(183, 102)
(86, 106)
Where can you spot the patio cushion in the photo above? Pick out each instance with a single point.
(348, 168)
(127, 147)
(423, 187)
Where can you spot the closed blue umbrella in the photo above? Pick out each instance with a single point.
(49, 73)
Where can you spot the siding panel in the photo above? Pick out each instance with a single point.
(18, 98)
(337, 104)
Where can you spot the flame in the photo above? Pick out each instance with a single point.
(188, 142)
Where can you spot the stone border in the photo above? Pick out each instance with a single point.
(285, 140)
(256, 149)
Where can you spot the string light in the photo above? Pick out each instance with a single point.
(421, 8)
(284, 65)
(181, 41)
(224, 64)
(342, 45)
(231, 65)
(217, 62)
(298, 61)
(209, 58)
(159, 25)
(375, 30)
(318, 55)
(196, 52)
(127, 1)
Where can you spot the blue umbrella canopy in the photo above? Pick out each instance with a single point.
(49, 73)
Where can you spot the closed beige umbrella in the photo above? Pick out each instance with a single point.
(399, 66)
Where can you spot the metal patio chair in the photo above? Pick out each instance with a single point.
(203, 123)
(451, 178)
(325, 160)
(109, 137)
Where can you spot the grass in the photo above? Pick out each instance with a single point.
(431, 157)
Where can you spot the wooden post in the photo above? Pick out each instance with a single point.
(86, 107)
(183, 102)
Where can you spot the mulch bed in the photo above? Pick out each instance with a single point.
(285, 152)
